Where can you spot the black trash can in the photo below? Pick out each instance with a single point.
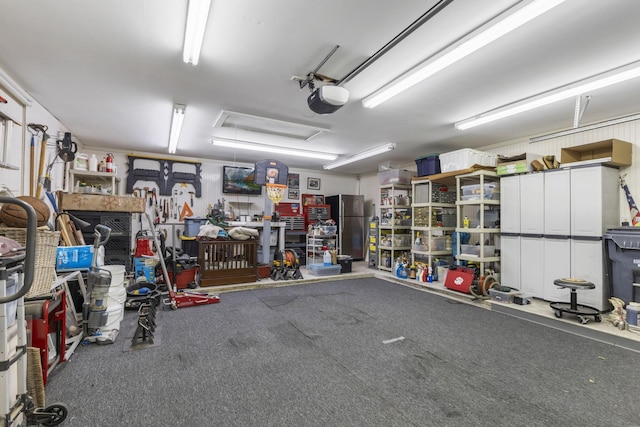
(622, 246)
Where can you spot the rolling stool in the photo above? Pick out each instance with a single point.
(582, 311)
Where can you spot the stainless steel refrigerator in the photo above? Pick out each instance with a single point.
(348, 213)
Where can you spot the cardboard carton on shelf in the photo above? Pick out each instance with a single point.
(516, 164)
(100, 203)
(613, 152)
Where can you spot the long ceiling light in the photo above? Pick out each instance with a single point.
(176, 127)
(491, 31)
(599, 81)
(585, 128)
(360, 156)
(197, 16)
(272, 149)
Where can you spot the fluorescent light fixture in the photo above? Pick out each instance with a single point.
(599, 81)
(176, 127)
(585, 128)
(491, 31)
(272, 149)
(360, 156)
(197, 16)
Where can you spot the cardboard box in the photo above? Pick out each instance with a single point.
(100, 202)
(613, 152)
(513, 166)
(70, 258)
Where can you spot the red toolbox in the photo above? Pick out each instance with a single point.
(459, 279)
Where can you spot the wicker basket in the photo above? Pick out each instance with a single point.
(45, 259)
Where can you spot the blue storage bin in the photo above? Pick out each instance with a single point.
(428, 165)
(192, 226)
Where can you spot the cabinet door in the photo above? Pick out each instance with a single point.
(557, 265)
(510, 261)
(532, 193)
(587, 261)
(532, 266)
(557, 203)
(586, 201)
(510, 204)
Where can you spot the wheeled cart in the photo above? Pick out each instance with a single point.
(16, 276)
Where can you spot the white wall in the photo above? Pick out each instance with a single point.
(18, 181)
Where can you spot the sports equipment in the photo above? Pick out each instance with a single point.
(14, 216)
(275, 192)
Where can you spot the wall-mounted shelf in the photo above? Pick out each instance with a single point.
(96, 182)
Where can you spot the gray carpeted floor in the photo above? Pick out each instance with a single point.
(331, 354)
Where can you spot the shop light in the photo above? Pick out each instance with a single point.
(491, 31)
(197, 16)
(360, 156)
(176, 127)
(590, 84)
(272, 149)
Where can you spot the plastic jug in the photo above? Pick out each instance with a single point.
(326, 258)
(93, 163)
(81, 162)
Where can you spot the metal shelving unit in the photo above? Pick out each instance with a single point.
(395, 224)
(434, 220)
(478, 200)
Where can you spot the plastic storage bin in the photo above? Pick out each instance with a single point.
(396, 176)
(500, 296)
(475, 250)
(428, 165)
(465, 158)
(474, 190)
(192, 226)
(322, 270)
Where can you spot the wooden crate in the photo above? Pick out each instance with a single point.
(227, 262)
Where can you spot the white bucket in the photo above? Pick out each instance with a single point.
(117, 274)
(115, 314)
(117, 296)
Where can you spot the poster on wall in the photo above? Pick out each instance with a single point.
(293, 181)
(294, 194)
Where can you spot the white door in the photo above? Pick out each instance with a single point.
(586, 201)
(532, 204)
(510, 204)
(510, 261)
(587, 263)
(532, 266)
(557, 203)
(557, 265)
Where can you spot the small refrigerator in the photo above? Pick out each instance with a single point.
(348, 213)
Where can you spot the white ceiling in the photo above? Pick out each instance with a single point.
(111, 70)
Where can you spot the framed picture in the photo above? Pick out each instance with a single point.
(238, 180)
(313, 183)
(294, 194)
(293, 181)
